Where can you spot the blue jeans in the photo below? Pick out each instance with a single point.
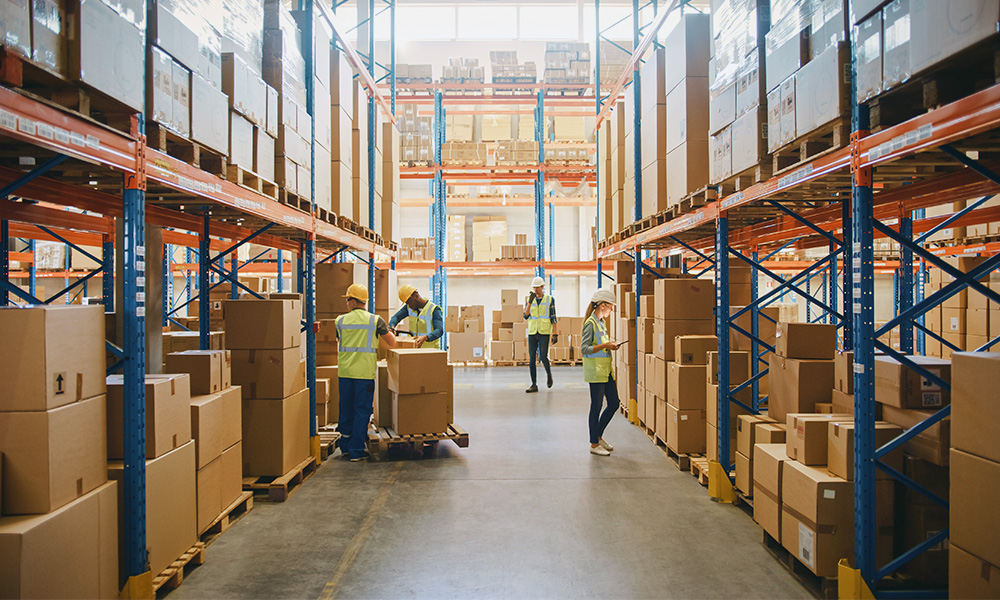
(599, 421)
(356, 401)
(538, 345)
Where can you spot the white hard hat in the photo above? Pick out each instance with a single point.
(537, 282)
(603, 296)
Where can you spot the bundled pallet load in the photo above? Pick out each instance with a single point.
(466, 326)
(420, 382)
(463, 70)
(516, 152)
(567, 63)
(463, 153)
(55, 496)
(505, 68)
(387, 182)
(489, 234)
(520, 250)
(567, 155)
(456, 250)
(415, 141)
(417, 249)
(410, 73)
(615, 57)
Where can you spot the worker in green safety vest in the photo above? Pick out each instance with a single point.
(599, 369)
(358, 335)
(425, 320)
(540, 312)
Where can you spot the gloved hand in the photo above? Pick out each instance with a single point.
(555, 338)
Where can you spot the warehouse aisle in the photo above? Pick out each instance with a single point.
(524, 512)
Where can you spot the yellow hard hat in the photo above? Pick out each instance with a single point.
(358, 292)
(405, 292)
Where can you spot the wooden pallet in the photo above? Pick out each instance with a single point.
(329, 440)
(699, 469)
(683, 461)
(251, 181)
(294, 200)
(386, 437)
(172, 143)
(481, 363)
(278, 489)
(742, 180)
(698, 199)
(820, 587)
(233, 513)
(743, 501)
(173, 576)
(833, 136)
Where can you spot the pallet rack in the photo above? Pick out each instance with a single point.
(831, 202)
(114, 176)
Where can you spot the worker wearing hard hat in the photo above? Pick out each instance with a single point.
(599, 369)
(358, 335)
(425, 320)
(540, 312)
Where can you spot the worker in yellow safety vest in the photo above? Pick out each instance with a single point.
(358, 335)
(598, 368)
(540, 312)
(425, 320)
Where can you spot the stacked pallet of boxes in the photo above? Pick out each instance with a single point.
(489, 234)
(456, 251)
(611, 167)
(614, 58)
(459, 128)
(686, 131)
(421, 384)
(417, 249)
(333, 279)
(268, 364)
(505, 68)
(339, 140)
(463, 153)
(651, 371)
(519, 152)
(566, 349)
(182, 341)
(653, 102)
(388, 203)
(413, 73)
(57, 505)
(967, 320)
(360, 192)
(463, 70)
(567, 63)
(736, 78)
(509, 328)
(520, 250)
(414, 135)
(975, 464)
(466, 328)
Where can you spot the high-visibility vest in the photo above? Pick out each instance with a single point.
(420, 323)
(598, 366)
(357, 349)
(538, 316)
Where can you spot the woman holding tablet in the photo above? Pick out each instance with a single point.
(598, 368)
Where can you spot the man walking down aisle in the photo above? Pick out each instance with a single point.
(540, 312)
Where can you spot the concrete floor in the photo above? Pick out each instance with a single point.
(524, 512)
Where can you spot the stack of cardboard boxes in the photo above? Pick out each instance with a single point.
(510, 330)
(414, 135)
(341, 156)
(463, 70)
(410, 73)
(517, 152)
(420, 381)
(267, 362)
(685, 408)
(520, 250)
(464, 153)
(456, 251)
(489, 234)
(506, 69)
(333, 279)
(801, 373)
(567, 63)
(466, 328)
(388, 204)
(417, 249)
(614, 59)
(56, 504)
(611, 193)
(967, 320)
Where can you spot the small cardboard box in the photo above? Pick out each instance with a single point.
(268, 374)
(975, 483)
(58, 358)
(769, 433)
(807, 436)
(666, 330)
(216, 423)
(210, 370)
(421, 413)
(685, 386)
(693, 349)
(806, 341)
(81, 538)
(51, 458)
(843, 372)
(418, 371)
(686, 430)
(646, 334)
(974, 410)
(502, 351)
(263, 324)
(840, 448)
(168, 419)
(797, 385)
(899, 386)
(746, 432)
(509, 297)
(844, 403)
(275, 434)
(768, 467)
(511, 313)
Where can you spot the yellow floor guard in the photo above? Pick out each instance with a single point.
(633, 411)
(720, 488)
(138, 587)
(850, 584)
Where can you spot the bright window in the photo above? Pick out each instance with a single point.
(549, 22)
(611, 28)
(487, 22)
(425, 23)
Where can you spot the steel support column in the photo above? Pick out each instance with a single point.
(905, 271)
(204, 266)
(5, 262)
(722, 320)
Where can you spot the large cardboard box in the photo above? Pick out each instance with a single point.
(807, 437)
(106, 52)
(739, 367)
(418, 371)
(332, 281)
(210, 371)
(687, 299)
(268, 374)
(931, 444)
(263, 324)
(664, 332)
(686, 430)
(275, 434)
(216, 423)
(51, 458)
(807, 341)
(899, 386)
(974, 410)
(466, 347)
(382, 409)
(58, 358)
(168, 419)
(840, 448)
(421, 413)
(69, 553)
(646, 334)
(171, 507)
(219, 484)
(975, 482)
(693, 349)
(685, 386)
(797, 385)
(971, 577)
(768, 467)
(946, 28)
(502, 351)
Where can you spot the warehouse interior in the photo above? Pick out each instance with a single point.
(276, 275)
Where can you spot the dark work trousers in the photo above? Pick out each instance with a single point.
(538, 344)
(356, 403)
(599, 421)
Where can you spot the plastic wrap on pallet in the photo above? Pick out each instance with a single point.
(785, 43)
(48, 34)
(107, 52)
(16, 20)
(185, 29)
(133, 11)
(737, 27)
(284, 65)
(242, 31)
(868, 37)
(827, 26)
(896, 45)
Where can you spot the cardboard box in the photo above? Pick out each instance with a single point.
(712, 407)
(974, 410)
(739, 367)
(263, 324)
(168, 419)
(268, 374)
(768, 467)
(970, 576)
(843, 372)
(807, 437)
(332, 281)
(840, 448)
(897, 385)
(945, 29)
(975, 481)
(686, 430)
(665, 331)
(210, 371)
(746, 432)
(685, 386)
(932, 444)
(511, 313)
(502, 351)
(53, 457)
(510, 297)
(81, 538)
(650, 418)
(420, 413)
(106, 52)
(806, 341)
(687, 299)
(216, 423)
(275, 434)
(693, 349)
(418, 371)
(797, 385)
(58, 358)
(744, 474)
(769, 433)
(171, 506)
(646, 334)
(844, 403)
(382, 412)
(466, 347)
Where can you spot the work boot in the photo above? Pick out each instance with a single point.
(532, 389)
(549, 383)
